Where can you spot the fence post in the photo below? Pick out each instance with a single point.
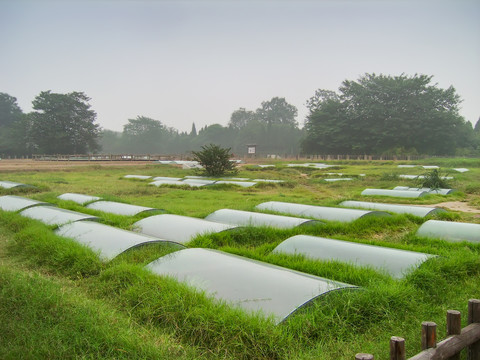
(454, 327)
(429, 335)
(473, 351)
(362, 356)
(397, 348)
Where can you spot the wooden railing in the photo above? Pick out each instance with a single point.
(450, 348)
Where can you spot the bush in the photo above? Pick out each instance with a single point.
(215, 160)
(434, 180)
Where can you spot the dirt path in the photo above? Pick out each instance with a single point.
(9, 165)
(456, 206)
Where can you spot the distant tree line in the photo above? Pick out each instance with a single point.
(377, 114)
(272, 127)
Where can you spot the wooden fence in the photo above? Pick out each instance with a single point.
(107, 157)
(450, 348)
(153, 157)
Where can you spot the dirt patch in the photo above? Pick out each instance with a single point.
(456, 206)
(9, 165)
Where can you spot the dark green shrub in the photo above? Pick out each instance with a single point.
(215, 160)
(433, 180)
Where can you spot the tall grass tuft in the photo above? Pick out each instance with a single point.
(46, 319)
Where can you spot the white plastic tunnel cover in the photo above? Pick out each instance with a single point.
(17, 203)
(108, 241)
(10, 184)
(139, 177)
(318, 212)
(394, 193)
(248, 218)
(249, 284)
(118, 208)
(55, 216)
(450, 231)
(428, 190)
(78, 198)
(178, 228)
(421, 211)
(395, 262)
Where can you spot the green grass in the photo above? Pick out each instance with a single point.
(58, 300)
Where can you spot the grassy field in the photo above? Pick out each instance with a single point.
(59, 301)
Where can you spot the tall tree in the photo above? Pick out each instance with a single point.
(13, 127)
(277, 111)
(381, 113)
(240, 118)
(194, 130)
(145, 135)
(63, 123)
(320, 97)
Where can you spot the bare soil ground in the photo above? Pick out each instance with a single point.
(457, 206)
(9, 165)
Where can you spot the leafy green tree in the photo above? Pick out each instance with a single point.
(381, 113)
(277, 111)
(215, 160)
(214, 133)
(240, 118)
(13, 127)
(144, 135)
(9, 110)
(326, 130)
(320, 97)
(63, 124)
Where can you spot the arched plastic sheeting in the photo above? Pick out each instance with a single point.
(166, 178)
(238, 183)
(78, 198)
(421, 211)
(461, 170)
(10, 184)
(55, 216)
(140, 177)
(312, 165)
(113, 207)
(339, 179)
(269, 180)
(396, 262)
(170, 182)
(249, 284)
(394, 193)
(178, 228)
(108, 241)
(428, 190)
(17, 203)
(248, 218)
(450, 231)
(198, 182)
(411, 177)
(318, 212)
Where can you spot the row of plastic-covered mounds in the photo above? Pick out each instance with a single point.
(257, 286)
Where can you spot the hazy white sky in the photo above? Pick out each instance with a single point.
(198, 61)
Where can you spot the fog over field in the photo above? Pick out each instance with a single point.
(198, 61)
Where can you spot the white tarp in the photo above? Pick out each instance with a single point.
(108, 241)
(251, 285)
(181, 229)
(396, 262)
